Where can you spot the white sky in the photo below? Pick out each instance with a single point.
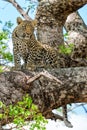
(79, 122)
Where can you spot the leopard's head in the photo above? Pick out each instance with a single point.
(25, 28)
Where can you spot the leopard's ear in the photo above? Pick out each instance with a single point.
(19, 20)
(34, 23)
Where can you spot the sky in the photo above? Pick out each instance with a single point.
(8, 12)
(78, 117)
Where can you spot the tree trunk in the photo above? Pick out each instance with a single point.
(51, 16)
(77, 34)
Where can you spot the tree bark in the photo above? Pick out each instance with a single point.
(51, 16)
(77, 34)
(45, 92)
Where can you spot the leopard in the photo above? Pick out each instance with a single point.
(34, 53)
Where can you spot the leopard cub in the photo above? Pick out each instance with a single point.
(34, 54)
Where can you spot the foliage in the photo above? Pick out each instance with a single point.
(66, 35)
(68, 48)
(22, 111)
(64, 49)
(32, 5)
(1, 69)
(5, 54)
(7, 26)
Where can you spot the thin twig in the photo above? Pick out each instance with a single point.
(71, 109)
(28, 10)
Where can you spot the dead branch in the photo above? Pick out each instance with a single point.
(46, 75)
(28, 10)
(19, 8)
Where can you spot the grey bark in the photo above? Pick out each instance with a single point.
(77, 34)
(47, 94)
(51, 16)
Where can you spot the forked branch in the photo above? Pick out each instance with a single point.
(44, 74)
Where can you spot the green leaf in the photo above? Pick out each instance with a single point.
(3, 35)
(66, 49)
(27, 113)
(1, 103)
(1, 69)
(1, 116)
(9, 24)
(18, 121)
(34, 107)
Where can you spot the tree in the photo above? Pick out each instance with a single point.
(44, 88)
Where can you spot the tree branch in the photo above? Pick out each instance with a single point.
(19, 8)
(47, 94)
(44, 74)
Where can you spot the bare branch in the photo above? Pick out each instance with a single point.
(45, 74)
(28, 10)
(19, 8)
